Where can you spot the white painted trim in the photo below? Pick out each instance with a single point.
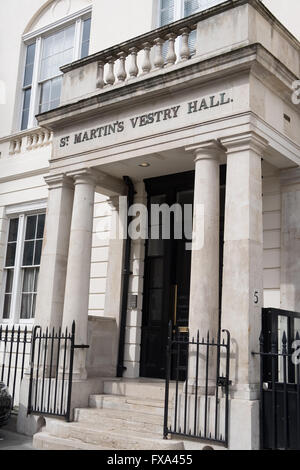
(78, 38)
(26, 207)
(38, 35)
(17, 282)
(35, 85)
(57, 24)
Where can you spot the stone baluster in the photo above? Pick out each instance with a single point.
(134, 70)
(158, 59)
(185, 48)
(11, 147)
(146, 65)
(110, 77)
(18, 145)
(41, 139)
(122, 74)
(35, 140)
(29, 142)
(171, 55)
(47, 137)
(100, 75)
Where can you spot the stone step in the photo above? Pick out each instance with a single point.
(111, 419)
(137, 388)
(45, 441)
(95, 436)
(103, 401)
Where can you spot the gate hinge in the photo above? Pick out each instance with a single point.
(223, 382)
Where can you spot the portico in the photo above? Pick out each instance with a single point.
(173, 120)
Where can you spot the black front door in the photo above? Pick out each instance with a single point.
(167, 270)
(280, 380)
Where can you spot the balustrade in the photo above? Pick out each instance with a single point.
(140, 58)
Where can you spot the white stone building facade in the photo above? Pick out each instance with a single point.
(214, 90)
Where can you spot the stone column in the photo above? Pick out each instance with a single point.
(242, 293)
(52, 276)
(79, 265)
(204, 287)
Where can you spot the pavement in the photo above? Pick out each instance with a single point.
(13, 441)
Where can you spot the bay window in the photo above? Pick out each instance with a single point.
(45, 54)
(22, 264)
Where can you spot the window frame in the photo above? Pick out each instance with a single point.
(16, 296)
(37, 37)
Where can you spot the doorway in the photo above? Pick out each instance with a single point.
(168, 266)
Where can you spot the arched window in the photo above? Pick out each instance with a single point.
(49, 47)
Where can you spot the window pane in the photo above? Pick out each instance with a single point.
(31, 227)
(50, 95)
(29, 291)
(38, 251)
(9, 281)
(55, 89)
(10, 254)
(28, 281)
(36, 278)
(25, 111)
(86, 38)
(45, 96)
(41, 226)
(7, 305)
(28, 253)
(13, 230)
(8, 291)
(26, 306)
(29, 65)
(57, 51)
(167, 13)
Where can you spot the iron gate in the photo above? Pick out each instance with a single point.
(280, 380)
(51, 372)
(15, 344)
(197, 401)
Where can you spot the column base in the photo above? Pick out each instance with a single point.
(243, 424)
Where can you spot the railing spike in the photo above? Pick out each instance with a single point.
(284, 338)
(297, 335)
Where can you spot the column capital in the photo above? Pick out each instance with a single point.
(84, 176)
(59, 181)
(245, 141)
(210, 149)
(104, 183)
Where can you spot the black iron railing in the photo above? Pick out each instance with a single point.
(15, 344)
(197, 387)
(51, 372)
(279, 379)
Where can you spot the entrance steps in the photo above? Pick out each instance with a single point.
(127, 416)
